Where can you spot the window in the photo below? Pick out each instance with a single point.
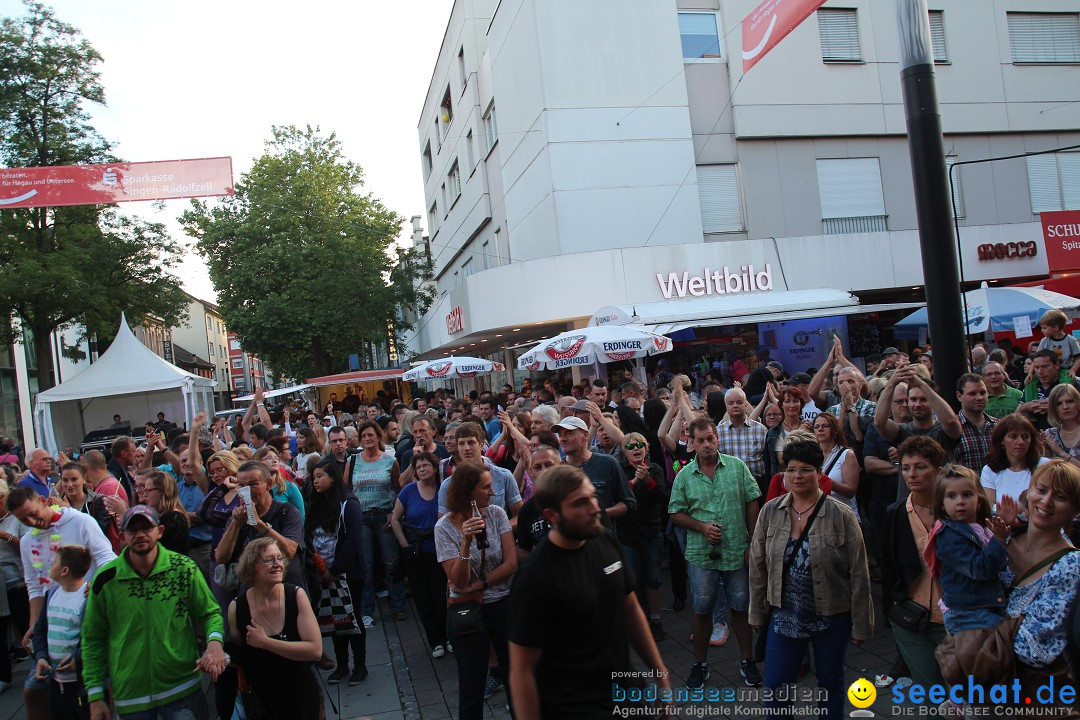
(467, 268)
(839, 32)
(490, 128)
(453, 179)
(1044, 37)
(1054, 182)
(718, 193)
(234, 344)
(238, 363)
(445, 204)
(209, 323)
(446, 111)
(427, 160)
(700, 39)
(211, 349)
(469, 150)
(485, 250)
(958, 195)
(461, 68)
(499, 255)
(851, 197)
(937, 36)
(433, 218)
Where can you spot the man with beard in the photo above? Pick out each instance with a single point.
(139, 630)
(573, 610)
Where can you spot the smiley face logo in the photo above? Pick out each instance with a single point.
(862, 693)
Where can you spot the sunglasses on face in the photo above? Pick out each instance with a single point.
(634, 445)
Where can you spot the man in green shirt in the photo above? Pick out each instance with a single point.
(715, 498)
(1001, 398)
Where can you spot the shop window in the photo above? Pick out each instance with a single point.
(1044, 37)
(851, 196)
(718, 193)
(700, 39)
(1054, 182)
(839, 33)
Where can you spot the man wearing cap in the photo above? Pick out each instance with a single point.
(139, 631)
(51, 528)
(612, 490)
(890, 358)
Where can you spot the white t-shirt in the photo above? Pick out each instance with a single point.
(836, 474)
(1007, 482)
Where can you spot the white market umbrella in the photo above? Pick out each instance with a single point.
(999, 309)
(452, 367)
(604, 343)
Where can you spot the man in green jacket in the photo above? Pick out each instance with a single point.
(138, 628)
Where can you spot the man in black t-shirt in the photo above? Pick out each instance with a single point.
(574, 613)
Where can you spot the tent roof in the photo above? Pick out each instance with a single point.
(126, 367)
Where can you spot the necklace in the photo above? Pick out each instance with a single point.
(800, 513)
(924, 507)
(792, 429)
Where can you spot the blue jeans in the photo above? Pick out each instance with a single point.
(471, 652)
(190, 707)
(957, 620)
(784, 656)
(710, 588)
(373, 535)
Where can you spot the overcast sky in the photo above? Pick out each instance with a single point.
(204, 79)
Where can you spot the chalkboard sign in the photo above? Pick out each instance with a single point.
(864, 337)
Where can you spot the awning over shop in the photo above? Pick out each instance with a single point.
(354, 377)
(276, 393)
(670, 316)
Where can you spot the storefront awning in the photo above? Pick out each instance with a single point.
(673, 315)
(355, 377)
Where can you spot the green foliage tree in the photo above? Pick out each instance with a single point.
(304, 264)
(79, 265)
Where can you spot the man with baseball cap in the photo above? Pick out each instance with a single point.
(139, 629)
(612, 490)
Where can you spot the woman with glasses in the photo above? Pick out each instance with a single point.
(642, 533)
(334, 532)
(275, 628)
(416, 511)
(1061, 440)
(809, 579)
(161, 494)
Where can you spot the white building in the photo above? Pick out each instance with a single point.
(574, 155)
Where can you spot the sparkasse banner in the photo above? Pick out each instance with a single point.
(769, 23)
(115, 182)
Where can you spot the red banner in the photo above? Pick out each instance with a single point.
(769, 23)
(1061, 234)
(116, 182)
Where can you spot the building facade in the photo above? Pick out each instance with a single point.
(246, 370)
(205, 336)
(606, 154)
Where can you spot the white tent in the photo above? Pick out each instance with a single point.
(127, 380)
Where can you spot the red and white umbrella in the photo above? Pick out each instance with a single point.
(604, 343)
(452, 367)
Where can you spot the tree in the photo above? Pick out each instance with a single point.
(67, 266)
(304, 264)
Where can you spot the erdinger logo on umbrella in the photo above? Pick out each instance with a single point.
(439, 370)
(534, 365)
(468, 374)
(565, 348)
(615, 357)
(661, 343)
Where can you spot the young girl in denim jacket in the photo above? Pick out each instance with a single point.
(966, 551)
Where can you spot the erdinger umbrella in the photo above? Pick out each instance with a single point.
(605, 343)
(997, 309)
(452, 367)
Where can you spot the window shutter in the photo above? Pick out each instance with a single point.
(1043, 183)
(1070, 180)
(1044, 37)
(718, 192)
(699, 36)
(937, 35)
(850, 187)
(839, 32)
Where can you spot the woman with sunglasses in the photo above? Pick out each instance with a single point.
(642, 533)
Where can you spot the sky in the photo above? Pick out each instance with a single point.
(206, 79)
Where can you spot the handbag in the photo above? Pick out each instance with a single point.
(984, 654)
(225, 577)
(909, 615)
(465, 613)
(336, 614)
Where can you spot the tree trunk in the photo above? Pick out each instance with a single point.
(44, 356)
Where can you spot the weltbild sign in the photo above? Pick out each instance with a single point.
(1061, 234)
(724, 281)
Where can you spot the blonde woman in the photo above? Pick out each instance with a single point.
(161, 494)
(281, 489)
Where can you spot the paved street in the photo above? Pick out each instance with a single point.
(406, 683)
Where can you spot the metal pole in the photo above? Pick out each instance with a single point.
(927, 148)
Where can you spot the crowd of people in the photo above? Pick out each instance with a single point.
(530, 528)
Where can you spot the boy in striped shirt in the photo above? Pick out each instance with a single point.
(57, 634)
